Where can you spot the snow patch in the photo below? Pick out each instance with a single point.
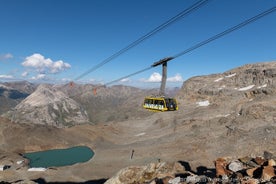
(219, 79)
(222, 115)
(37, 169)
(263, 86)
(55, 106)
(20, 162)
(228, 76)
(232, 75)
(203, 103)
(143, 133)
(222, 87)
(246, 88)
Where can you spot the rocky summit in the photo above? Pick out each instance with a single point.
(48, 106)
(223, 132)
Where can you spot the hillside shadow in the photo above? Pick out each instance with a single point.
(42, 181)
(200, 170)
(17, 95)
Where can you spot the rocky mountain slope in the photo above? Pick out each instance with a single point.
(231, 114)
(111, 103)
(107, 104)
(227, 116)
(242, 98)
(13, 93)
(50, 107)
(249, 81)
(22, 86)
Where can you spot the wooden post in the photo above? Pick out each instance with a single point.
(132, 153)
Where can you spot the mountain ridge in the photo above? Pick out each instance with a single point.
(230, 114)
(49, 106)
(99, 104)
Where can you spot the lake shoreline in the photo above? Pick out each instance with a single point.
(59, 157)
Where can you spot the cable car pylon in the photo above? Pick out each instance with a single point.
(161, 103)
(163, 62)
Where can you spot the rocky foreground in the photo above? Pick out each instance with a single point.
(245, 170)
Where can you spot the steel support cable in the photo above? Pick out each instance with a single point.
(244, 23)
(130, 75)
(238, 26)
(114, 81)
(185, 12)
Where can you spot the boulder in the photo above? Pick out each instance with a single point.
(259, 160)
(249, 181)
(235, 166)
(221, 167)
(271, 162)
(268, 173)
(152, 173)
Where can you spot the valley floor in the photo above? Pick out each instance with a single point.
(195, 135)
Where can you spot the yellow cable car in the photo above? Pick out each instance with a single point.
(160, 104)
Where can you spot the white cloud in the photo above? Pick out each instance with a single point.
(92, 80)
(156, 77)
(39, 76)
(176, 78)
(96, 81)
(125, 80)
(6, 76)
(24, 74)
(45, 65)
(5, 56)
(59, 66)
(66, 80)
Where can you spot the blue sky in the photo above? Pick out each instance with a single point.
(58, 40)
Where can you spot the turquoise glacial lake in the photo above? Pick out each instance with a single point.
(59, 157)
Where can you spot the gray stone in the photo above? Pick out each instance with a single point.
(235, 166)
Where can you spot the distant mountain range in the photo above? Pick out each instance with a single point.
(71, 104)
(12, 93)
(67, 105)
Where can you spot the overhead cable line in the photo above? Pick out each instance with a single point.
(244, 23)
(227, 31)
(130, 75)
(185, 12)
(111, 82)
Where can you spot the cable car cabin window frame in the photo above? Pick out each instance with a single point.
(160, 104)
(171, 104)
